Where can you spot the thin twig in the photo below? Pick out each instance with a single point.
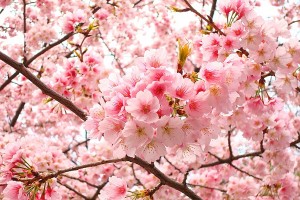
(207, 187)
(50, 46)
(235, 167)
(17, 114)
(151, 193)
(136, 178)
(213, 9)
(45, 89)
(9, 79)
(98, 190)
(73, 190)
(295, 21)
(80, 180)
(185, 177)
(136, 3)
(229, 143)
(172, 164)
(76, 145)
(204, 18)
(112, 53)
(165, 180)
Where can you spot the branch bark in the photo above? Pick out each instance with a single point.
(45, 89)
(18, 112)
(50, 46)
(204, 18)
(8, 80)
(213, 8)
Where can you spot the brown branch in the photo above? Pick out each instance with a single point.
(185, 177)
(172, 164)
(213, 9)
(73, 190)
(78, 144)
(230, 163)
(165, 180)
(16, 116)
(238, 169)
(80, 180)
(151, 193)
(112, 53)
(29, 61)
(229, 142)
(98, 190)
(230, 159)
(192, 9)
(45, 89)
(295, 21)
(9, 79)
(136, 3)
(138, 181)
(294, 143)
(150, 168)
(207, 187)
(50, 46)
(270, 73)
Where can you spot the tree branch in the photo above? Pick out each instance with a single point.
(18, 112)
(113, 53)
(163, 178)
(80, 180)
(151, 193)
(73, 190)
(229, 142)
(136, 3)
(207, 187)
(238, 169)
(9, 79)
(50, 46)
(76, 145)
(98, 190)
(204, 18)
(295, 21)
(213, 8)
(138, 181)
(45, 89)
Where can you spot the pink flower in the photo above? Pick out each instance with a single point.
(97, 114)
(71, 20)
(115, 189)
(111, 128)
(169, 131)
(137, 133)
(182, 88)
(197, 106)
(143, 107)
(4, 3)
(281, 58)
(152, 150)
(212, 72)
(217, 96)
(14, 190)
(102, 14)
(158, 88)
(154, 58)
(51, 192)
(115, 106)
